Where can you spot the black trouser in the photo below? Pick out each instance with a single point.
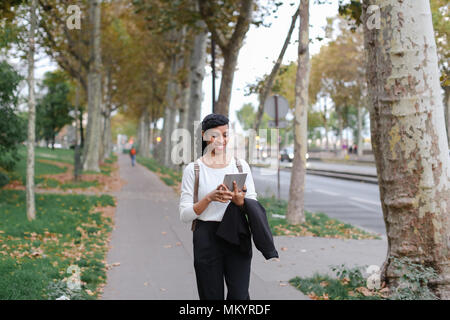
(216, 260)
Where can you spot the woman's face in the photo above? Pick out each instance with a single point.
(218, 137)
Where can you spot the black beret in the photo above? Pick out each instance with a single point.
(214, 120)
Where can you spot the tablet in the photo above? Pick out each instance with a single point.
(238, 177)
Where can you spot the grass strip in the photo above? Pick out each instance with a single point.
(35, 255)
(316, 224)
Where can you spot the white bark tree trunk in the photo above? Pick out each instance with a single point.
(93, 133)
(144, 134)
(295, 212)
(447, 110)
(196, 75)
(176, 63)
(360, 129)
(30, 198)
(325, 121)
(408, 136)
(183, 111)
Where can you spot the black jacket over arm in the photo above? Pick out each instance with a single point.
(235, 228)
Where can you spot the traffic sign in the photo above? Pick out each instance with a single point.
(272, 102)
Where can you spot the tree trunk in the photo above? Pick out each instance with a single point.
(325, 123)
(183, 111)
(152, 136)
(360, 129)
(80, 115)
(176, 63)
(91, 150)
(196, 75)
(31, 210)
(269, 83)
(295, 213)
(230, 49)
(168, 125)
(144, 134)
(408, 137)
(447, 110)
(226, 83)
(341, 133)
(106, 135)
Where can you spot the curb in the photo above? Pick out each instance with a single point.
(368, 178)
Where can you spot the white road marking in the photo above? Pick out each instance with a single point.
(327, 192)
(376, 203)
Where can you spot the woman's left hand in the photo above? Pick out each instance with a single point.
(238, 195)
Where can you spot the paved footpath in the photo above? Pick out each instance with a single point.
(152, 249)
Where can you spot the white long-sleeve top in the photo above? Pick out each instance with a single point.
(209, 179)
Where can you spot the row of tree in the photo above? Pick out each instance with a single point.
(147, 58)
(396, 68)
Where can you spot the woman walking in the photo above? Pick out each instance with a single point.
(216, 260)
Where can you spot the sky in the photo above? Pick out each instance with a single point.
(261, 48)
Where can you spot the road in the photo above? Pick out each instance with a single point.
(353, 202)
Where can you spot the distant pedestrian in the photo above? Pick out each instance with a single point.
(133, 155)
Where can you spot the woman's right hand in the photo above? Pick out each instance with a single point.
(221, 194)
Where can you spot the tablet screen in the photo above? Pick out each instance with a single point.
(238, 177)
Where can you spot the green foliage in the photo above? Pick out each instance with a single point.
(247, 116)
(413, 281)
(35, 255)
(7, 8)
(41, 168)
(351, 10)
(4, 179)
(169, 176)
(169, 181)
(354, 275)
(344, 287)
(317, 224)
(13, 128)
(57, 289)
(53, 109)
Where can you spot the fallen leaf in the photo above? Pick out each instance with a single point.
(283, 284)
(115, 264)
(164, 233)
(364, 291)
(313, 296)
(283, 249)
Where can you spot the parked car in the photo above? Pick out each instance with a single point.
(287, 154)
